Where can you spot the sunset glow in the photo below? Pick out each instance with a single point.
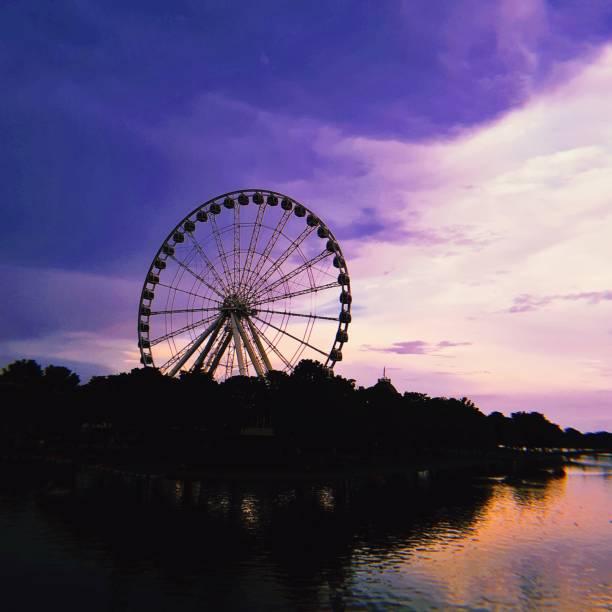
(466, 169)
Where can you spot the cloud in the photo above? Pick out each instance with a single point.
(526, 302)
(449, 344)
(492, 152)
(373, 225)
(408, 347)
(87, 353)
(82, 320)
(40, 301)
(416, 347)
(535, 184)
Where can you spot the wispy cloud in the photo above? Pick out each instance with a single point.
(527, 302)
(416, 347)
(373, 225)
(449, 344)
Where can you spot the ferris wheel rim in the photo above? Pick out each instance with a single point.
(243, 275)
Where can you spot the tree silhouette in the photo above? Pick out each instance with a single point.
(535, 430)
(24, 373)
(316, 416)
(309, 371)
(59, 379)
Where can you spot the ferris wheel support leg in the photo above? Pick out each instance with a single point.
(249, 347)
(259, 345)
(241, 364)
(217, 358)
(181, 362)
(202, 356)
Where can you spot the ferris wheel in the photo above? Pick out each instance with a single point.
(248, 282)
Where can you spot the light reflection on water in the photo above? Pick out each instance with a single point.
(107, 541)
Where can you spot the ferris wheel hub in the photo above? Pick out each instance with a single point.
(237, 305)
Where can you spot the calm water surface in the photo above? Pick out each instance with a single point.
(103, 541)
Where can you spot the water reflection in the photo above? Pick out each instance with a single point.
(532, 494)
(159, 544)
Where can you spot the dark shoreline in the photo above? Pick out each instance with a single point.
(507, 463)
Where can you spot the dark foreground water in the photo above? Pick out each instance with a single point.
(101, 541)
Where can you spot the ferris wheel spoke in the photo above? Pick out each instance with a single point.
(307, 264)
(293, 294)
(219, 353)
(231, 355)
(253, 243)
(288, 252)
(194, 345)
(236, 242)
(181, 310)
(276, 234)
(203, 297)
(177, 356)
(282, 331)
(216, 345)
(237, 346)
(259, 346)
(222, 252)
(207, 261)
(258, 333)
(217, 325)
(297, 314)
(163, 368)
(181, 330)
(255, 359)
(196, 276)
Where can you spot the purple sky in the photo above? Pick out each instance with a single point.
(461, 151)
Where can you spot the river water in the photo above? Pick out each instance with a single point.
(103, 541)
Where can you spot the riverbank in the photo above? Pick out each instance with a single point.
(509, 463)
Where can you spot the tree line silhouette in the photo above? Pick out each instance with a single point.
(146, 415)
